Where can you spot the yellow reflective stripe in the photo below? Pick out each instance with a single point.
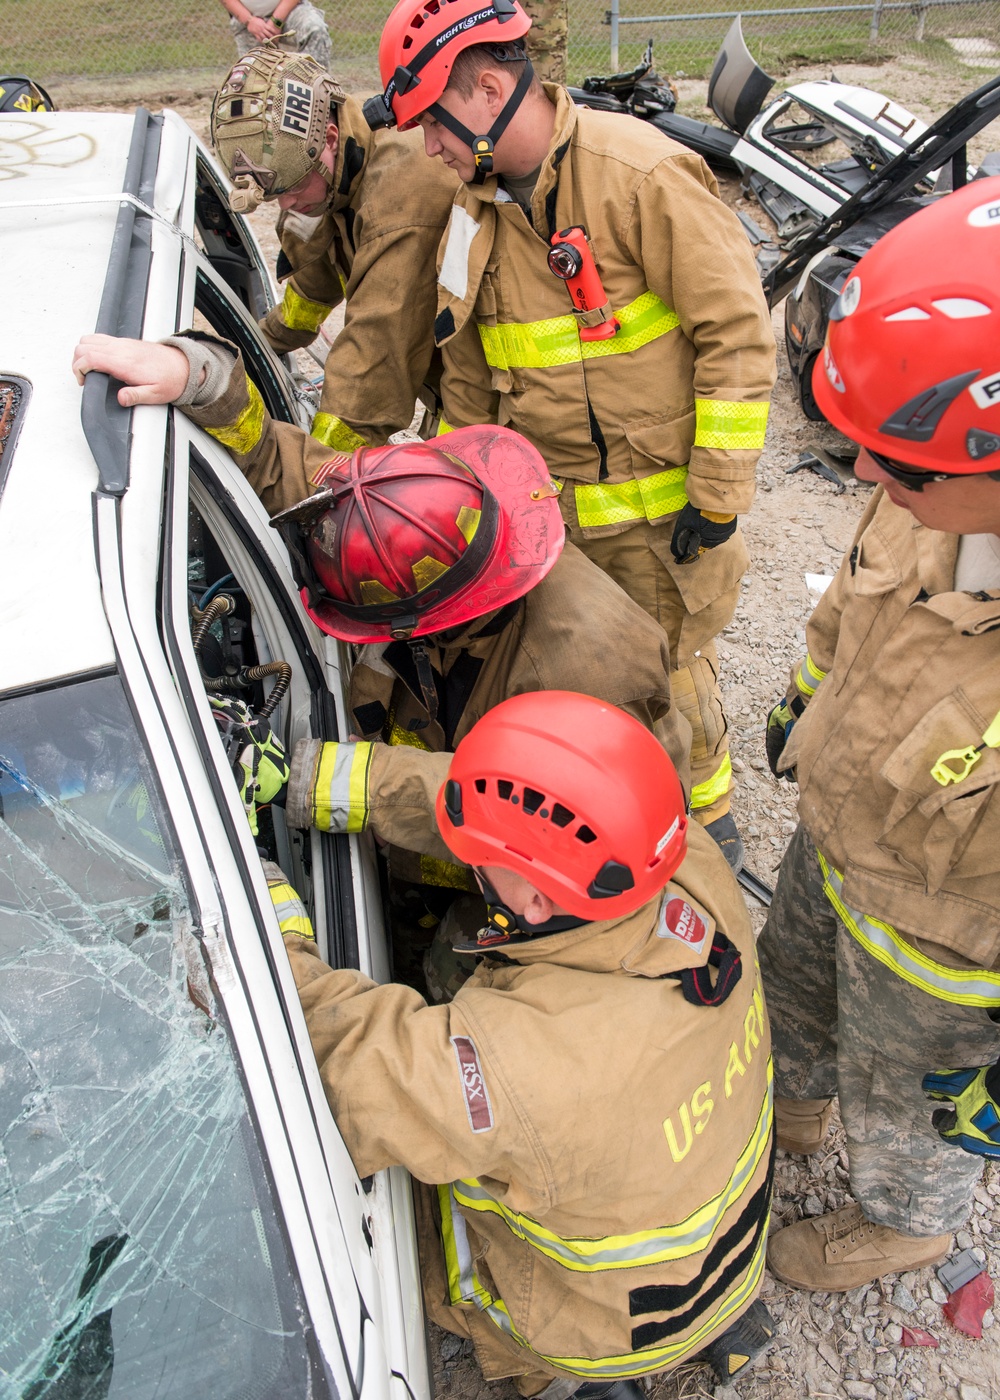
(556, 341)
(446, 875)
(334, 432)
(290, 911)
(463, 1284)
(882, 941)
(243, 435)
(443, 427)
(704, 794)
(464, 1287)
(340, 792)
(809, 677)
(642, 498)
(399, 735)
(729, 424)
(301, 314)
(666, 1243)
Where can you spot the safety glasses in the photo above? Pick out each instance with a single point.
(911, 477)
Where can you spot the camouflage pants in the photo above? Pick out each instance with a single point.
(546, 39)
(843, 1023)
(304, 31)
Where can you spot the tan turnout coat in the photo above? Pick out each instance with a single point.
(666, 247)
(375, 246)
(912, 670)
(607, 1142)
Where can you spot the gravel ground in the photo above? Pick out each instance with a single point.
(828, 1346)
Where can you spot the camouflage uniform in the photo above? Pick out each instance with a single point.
(844, 1023)
(304, 31)
(547, 38)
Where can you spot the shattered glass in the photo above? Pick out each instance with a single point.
(142, 1255)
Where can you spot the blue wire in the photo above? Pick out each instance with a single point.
(216, 587)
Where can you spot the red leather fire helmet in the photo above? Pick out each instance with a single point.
(402, 541)
(571, 793)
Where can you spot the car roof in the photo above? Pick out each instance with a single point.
(61, 180)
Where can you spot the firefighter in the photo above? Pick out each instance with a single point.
(651, 405)
(447, 570)
(881, 953)
(594, 1105)
(362, 215)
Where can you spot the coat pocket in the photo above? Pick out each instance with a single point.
(661, 441)
(937, 831)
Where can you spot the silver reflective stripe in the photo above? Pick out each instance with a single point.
(882, 941)
(290, 909)
(340, 790)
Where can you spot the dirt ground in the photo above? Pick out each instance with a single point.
(828, 1346)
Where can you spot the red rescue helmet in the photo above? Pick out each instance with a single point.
(571, 793)
(417, 51)
(911, 365)
(406, 540)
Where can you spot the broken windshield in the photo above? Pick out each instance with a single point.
(142, 1256)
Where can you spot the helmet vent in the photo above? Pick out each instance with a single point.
(561, 816)
(911, 313)
(585, 835)
(532, 800)
(960, 308)
(480, 784)
(504, 789)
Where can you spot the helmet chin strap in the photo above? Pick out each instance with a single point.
(507, 927)
(482, 146)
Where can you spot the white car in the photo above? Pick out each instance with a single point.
(178, 1214)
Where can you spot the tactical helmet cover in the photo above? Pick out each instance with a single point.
(269, 123)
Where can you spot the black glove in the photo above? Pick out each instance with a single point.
(697, 530)
(779, 726)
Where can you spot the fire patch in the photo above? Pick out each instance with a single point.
(680, 921)
(477, 1100)
(296, 110)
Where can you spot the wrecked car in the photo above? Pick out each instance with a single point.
(178, 1214)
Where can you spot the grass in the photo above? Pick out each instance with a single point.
(122, 38)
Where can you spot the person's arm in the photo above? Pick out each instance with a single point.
(260, 27)
(467, 393)
(409, 1084)
(375, 371)
(313, 282)
(278, 459)
(697, 259)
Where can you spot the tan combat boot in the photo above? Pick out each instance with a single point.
(843, 1250)
(802, 1123)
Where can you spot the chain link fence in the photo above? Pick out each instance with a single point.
(119, 39)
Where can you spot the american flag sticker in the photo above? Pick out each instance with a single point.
(477, 1100)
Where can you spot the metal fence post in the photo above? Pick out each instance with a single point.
(876, 21)
(613, 21)
(921, 19)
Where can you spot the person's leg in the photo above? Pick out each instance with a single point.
(547, 38)
(798, 962)
(892, 1033)
(692, 614)
(307, 25)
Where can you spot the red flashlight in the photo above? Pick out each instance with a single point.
(572, 261)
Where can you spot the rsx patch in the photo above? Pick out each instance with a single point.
(477, 1101)
(296, 111)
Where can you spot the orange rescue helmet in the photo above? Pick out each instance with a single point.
(571, 793)
(911, 365)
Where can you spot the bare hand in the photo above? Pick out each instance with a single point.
(261, 29)
(153, 373)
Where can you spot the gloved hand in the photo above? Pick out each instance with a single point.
(779, 726)
(973, 1120)
(697, 530)
(281, 338)
(328, 787)
(258, 759)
